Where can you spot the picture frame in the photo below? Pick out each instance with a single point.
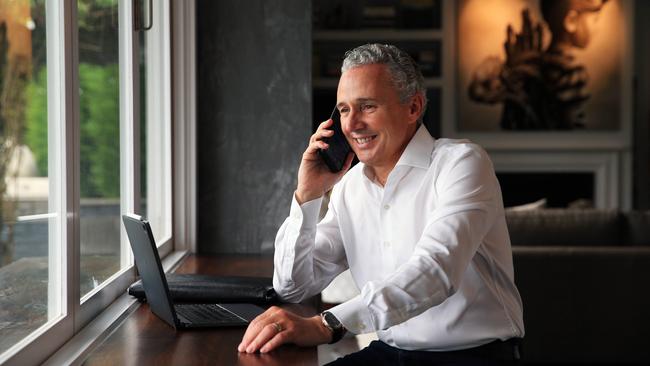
(477, 30)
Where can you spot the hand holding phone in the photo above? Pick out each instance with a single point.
(338, 150)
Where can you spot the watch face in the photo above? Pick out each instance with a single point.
(331, 320)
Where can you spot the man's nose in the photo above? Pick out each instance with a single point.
(354, 121)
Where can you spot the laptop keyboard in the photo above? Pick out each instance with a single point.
(206, 313)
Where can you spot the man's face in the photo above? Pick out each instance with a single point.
(376, 124)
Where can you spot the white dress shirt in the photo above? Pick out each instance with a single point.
(430, 250)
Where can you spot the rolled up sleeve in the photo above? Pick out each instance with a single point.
(308, 254)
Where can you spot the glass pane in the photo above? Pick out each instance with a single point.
(99, 118)
(24, 207)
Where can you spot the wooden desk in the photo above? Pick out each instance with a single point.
(144, 339)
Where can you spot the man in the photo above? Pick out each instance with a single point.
(418, 221)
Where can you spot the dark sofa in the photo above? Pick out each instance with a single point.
(584, 278)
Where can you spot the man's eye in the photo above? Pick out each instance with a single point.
(343, 110)
(367, 107)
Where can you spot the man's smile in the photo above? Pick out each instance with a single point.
(363, 141)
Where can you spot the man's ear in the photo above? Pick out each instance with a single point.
(571, 20)
(415, 107)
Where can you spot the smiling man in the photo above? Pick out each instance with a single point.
(419, 222)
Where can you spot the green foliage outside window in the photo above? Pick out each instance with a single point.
(99, 125)
(36, 116)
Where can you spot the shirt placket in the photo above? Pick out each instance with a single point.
(386, 234)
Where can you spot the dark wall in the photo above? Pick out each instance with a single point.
(254, 118)
(641, 152)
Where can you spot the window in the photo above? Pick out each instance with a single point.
(85, 135)
(99, 142)
(155, 126)
(26, 301)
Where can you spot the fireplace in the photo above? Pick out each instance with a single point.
(567, 189)
(598, 179)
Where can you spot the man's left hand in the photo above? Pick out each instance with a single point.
(277, 326)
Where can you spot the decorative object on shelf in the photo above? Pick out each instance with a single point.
(540, 65)
(377, 14)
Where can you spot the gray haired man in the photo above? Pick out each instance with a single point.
(419, 222)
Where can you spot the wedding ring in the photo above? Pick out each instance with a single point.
(278, 327)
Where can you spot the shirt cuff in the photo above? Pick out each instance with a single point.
(307, 213)
(354, 315)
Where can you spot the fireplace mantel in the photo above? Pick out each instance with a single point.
(612, 170)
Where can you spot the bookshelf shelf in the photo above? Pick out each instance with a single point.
(385, 34)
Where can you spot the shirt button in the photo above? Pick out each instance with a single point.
(387, 244)
(386, 207)
(361, 326)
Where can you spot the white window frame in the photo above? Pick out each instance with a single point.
(159, 119)
(183, 23)
(63, 101)
(100, 297)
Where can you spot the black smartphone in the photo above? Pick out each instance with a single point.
(339, 148)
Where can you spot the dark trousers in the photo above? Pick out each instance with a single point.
(379, 353)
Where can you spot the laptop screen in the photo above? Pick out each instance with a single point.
(148, 263)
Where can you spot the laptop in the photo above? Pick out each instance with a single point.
(185, 315)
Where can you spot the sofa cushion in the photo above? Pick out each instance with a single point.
(566, 227)
(584, 304)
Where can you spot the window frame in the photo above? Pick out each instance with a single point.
(159, 142)
(183, 52)
(61, 105)
(70, 332)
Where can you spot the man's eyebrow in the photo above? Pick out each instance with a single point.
(358, 101)
(363, 100)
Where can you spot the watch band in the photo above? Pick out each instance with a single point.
(334, 325)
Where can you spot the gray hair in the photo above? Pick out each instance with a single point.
(404, 71)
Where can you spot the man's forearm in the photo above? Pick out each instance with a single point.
(304, 196)
(293, 259)
(303, 267)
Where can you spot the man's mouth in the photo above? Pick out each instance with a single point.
(364, 140)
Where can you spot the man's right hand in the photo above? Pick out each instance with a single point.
(314, 177)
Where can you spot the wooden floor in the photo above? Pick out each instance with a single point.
(144, 339)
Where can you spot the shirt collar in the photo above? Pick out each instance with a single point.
(417, 153)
